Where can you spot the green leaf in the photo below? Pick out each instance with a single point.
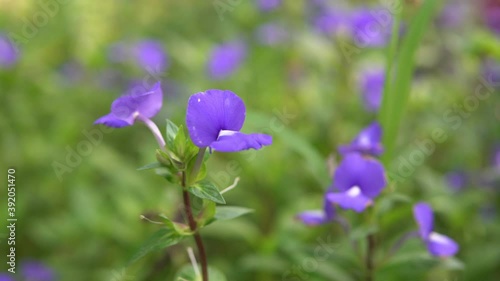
(395, 97)
(161, 239)
(171, 132)
(187, 273)
(230, 212)
(206, 190)
(207, 214)
(150, 166)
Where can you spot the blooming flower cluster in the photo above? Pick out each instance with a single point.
(358, 179)
(214, 118)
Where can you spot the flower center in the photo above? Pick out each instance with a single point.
(437, 238)
(354, 191)
(226, 133)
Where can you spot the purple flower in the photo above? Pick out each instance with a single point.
(36, 271)
(151, 56)
(6, 277)
(359, 179)
(268, 5)
(491, 71)
(437, 244)
(226, 59)
(214, 119)
(316, 217)
(138, 104)
(491, 13)
(372, 88)
(8, 53)
(453, 14)
(496, 158)
(368, 141)
(331, 22)
(272, 34)
(147, 54)
(369, 30)
(456, 180)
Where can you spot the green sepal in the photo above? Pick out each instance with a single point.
(160, 240)
(184, 148)
(187, 273)
(180, 228)
(170, 134)
(206, 190)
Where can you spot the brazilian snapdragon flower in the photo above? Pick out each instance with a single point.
(368, 141)
(372, 87)
(147, 54)
(331, 21)
(359, 179)
(367, 30)
(214, 119)
(437, 244)
(225, 59)
(150, 55)
(8, 53)
(140, 105)
(317, 217)
(6, 277)
(36, 271)
(491, 15)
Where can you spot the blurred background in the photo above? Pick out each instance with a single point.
(311, 74)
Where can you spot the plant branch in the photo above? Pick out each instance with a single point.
(194, 228)
(370, 252)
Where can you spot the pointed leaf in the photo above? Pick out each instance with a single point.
(206, 190)
(150, 166)
(161, 239)
(230, 212)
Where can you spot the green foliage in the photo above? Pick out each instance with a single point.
(160, 240)
(396, 95)
(187, 273)
(206, 190)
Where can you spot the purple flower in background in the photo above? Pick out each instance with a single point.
(6, 277)
(372, 88)
(496, 158)
(268, 5)
(36, 271)
(147, 54)
(150, 55)
(453, 14)
(138, 104)
(331, 22)
(359, 179)
(437, 244)
(368, 141)
(457, 180)
(226, 59)
(214, 119)
(272, 34)
(316, 217)
(8, 52)
(491, 15)
(491, 71)
(369, 30)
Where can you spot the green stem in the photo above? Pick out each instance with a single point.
(194, 228)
